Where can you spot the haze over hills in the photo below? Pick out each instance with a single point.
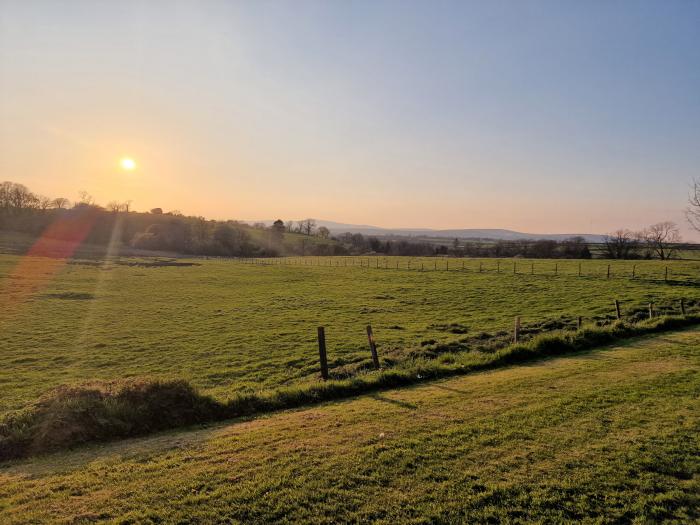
(462, 233)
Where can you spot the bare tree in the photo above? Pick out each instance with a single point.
(289, 226)
(661, 239)
(60, 203)
(114, 206)
(43, 203)
(692, 212)
(621, 244)
(85, 199)
(307, 226)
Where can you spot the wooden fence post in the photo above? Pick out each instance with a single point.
(579, 269)
(617, 309)
(498, 266)
(651, 310)
(579, 322)
(666, 274)
(372, 347)
(556, 268)
(435, 265)
(480, 266)
(682, 307)
(634, 270)
(532, 268)
(515, 267)
(608, 271)
(322, 352)
(516, 329)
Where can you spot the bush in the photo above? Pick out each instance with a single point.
(70, 415)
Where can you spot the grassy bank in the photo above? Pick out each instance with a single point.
(606, 436)
(69, 416)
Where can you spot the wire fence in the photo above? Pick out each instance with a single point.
(667, 271)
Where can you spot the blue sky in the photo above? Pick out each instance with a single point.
(536, 116)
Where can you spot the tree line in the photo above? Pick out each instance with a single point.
(660, 241)
(24, 211)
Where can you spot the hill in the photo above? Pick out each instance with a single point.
(461, 233)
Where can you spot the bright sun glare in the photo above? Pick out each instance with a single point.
(128, 164)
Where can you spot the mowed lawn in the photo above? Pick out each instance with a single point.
(605, 436)
(230, 327)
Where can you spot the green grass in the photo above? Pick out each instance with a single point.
(605, 436)
(230, 328)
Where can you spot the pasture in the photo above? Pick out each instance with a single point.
(229, 326)
(605, 436)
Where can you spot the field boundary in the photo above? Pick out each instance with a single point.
(72, 415)
(502, 266)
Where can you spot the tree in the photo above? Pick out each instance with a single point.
(157, 211)
(621, 244)
(692, 212)
(85, 199)
(307, 226)
(277, 231)
(323, 232)
(61, 203)
(43, 203)
(661, 237)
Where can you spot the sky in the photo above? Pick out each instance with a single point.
(537, 116)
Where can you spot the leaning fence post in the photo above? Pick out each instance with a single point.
(322, 352)
(617, 309)
(682, 307)
(516, 329)
(372, 347)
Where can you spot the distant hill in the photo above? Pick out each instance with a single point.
(464, 233)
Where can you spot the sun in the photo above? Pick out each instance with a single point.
(127, 164)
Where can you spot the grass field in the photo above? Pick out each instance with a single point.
(606, 436)
(231, 327)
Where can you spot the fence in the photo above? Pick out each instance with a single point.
(651, 270)
(517, 328)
